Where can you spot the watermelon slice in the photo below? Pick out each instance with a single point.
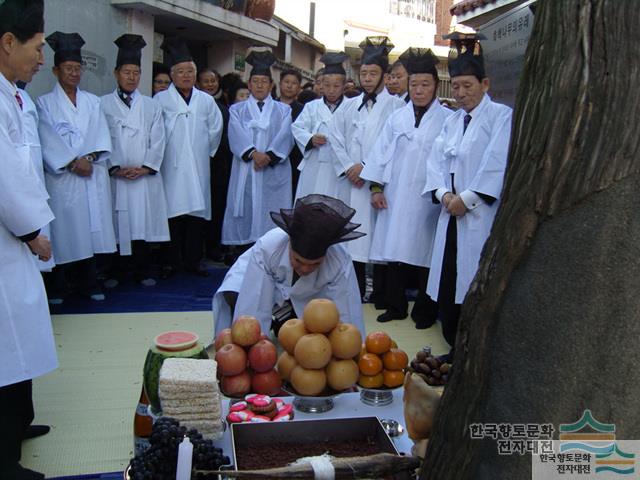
(177, 340)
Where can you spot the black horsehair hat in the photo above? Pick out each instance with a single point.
(465, 54)
(129, 49)
(419, 60)
(375, 51)
(176, 51)
(66, 47)
(261, 59)
(315, 223)
(333, 63)
(23, 18)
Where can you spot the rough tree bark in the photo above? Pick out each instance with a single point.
(551, 324)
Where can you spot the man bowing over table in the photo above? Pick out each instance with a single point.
(193, 128)
(293, 264)
(137, 130)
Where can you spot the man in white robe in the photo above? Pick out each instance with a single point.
(260, 139)
(311, 129)
(137, 131)
(193, 128)
(27, 347)
(75, 143)
(398, 83)
(354, 130)
(293, 264)
(405, 227)
(465, 171)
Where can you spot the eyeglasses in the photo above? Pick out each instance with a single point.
(71, 68)
(162, 82)
(184, 73)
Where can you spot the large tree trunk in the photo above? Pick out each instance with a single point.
(551, 324)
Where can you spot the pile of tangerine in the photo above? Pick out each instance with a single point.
(381, 362)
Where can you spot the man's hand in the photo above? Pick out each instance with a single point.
(41, 246)
(82, 166)
(260, 160)
(379, 201)
(318, 140)
(136, 172)
(456, 206)
(121, 172)
(353, 174)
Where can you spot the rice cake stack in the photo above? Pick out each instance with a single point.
(188, 392)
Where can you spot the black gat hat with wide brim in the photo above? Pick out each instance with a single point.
(315, 223)
(465, 54)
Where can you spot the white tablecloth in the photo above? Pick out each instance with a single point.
(347, 405)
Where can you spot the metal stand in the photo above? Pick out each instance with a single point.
(313, 405)
(376, 398)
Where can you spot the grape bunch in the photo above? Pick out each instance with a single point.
(159, 461)
(432, 369)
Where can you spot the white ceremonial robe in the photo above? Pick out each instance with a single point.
(32, 139)
(27, 347)
(253, 194)
(478, 161)
(404, 231)
(352, 135)
(263, 274)
(137, 138)
(318, 173)
(193, 134)
(82, 205)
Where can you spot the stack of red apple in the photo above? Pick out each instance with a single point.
(246, 359)
(319, 350)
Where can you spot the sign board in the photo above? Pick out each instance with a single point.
(238, 62)
(504, 50)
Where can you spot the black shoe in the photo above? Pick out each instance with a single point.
(424, 324)
(34, 431)
(197, 271)
(18, 472)
(388, 316)
(167, 272)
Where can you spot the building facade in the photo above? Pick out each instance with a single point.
(218, 34)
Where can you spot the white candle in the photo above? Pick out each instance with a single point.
(185, 455)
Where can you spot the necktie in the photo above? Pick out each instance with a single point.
(127, 100)
(368, 100)
(260, 105)
(19, 100)
(467, 119)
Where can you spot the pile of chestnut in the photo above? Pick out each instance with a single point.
(432, 370)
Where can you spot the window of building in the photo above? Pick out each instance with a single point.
(423, 10)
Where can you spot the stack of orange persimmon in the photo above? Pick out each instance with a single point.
(381, 362)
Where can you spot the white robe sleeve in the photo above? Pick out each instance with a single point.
(215, 129)
(56, 154)
(23, 206)
(99, 138)
(489, 177)
(302, 128)
(374, 169)
(240, 138)
(436, 166)
(155, 153)
(282, 142)
(257, 291)
(345, 294)
(339, 141)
